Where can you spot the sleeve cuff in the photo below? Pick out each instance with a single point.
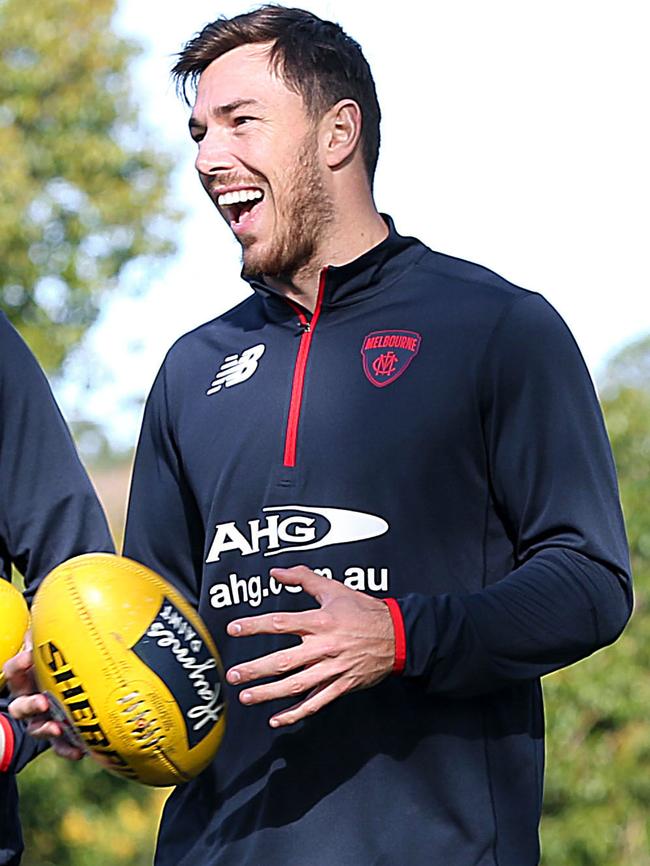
(400, 635)
(7, 743)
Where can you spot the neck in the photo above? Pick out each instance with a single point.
(346, 238)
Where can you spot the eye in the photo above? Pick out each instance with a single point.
(242, 119)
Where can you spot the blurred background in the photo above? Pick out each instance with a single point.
(514, 135)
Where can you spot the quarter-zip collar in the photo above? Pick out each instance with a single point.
(374, 269)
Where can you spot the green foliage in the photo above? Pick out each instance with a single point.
(597, 804)
(80, 815)
(80, 193)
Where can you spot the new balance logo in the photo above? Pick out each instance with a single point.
(236, 369)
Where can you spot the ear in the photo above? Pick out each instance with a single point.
(342, 132)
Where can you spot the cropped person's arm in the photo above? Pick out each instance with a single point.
(49, 511)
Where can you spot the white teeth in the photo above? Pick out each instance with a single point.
(238, 197)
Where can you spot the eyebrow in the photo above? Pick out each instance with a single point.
(223, 110)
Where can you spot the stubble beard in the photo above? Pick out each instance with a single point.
(304, 209)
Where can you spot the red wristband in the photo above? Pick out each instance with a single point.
(400, 635)
(6, 743)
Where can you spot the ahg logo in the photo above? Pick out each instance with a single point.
(295, 527)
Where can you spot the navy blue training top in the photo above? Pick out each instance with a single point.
(48, 513)
(431, 435)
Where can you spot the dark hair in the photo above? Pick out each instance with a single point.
(314, 58)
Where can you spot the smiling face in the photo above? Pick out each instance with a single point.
(258, 159)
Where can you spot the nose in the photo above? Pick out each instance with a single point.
(213, 155)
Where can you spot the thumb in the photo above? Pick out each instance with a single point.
(19, 674)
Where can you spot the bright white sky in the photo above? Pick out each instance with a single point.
(515, 134)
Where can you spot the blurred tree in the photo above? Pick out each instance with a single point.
(79, 815)
(82, 192)
(629, 368)
(597, 803)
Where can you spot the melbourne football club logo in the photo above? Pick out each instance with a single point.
(387, 354)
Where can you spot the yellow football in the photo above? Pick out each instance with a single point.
(129, 668)
(14, 617)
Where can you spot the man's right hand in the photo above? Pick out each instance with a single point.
(32, 707)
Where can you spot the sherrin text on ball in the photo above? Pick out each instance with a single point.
(129, 669)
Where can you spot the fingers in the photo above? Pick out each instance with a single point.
(310, 680)
(307, 622)
(27, 707)
(314, 584)
(34, 710)
(19, 673)
(302, 623)
(66, 750)
(317, 699)
(346, 644)
(276, 664)
(44, 728)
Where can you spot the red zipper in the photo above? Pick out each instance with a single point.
(293, 420)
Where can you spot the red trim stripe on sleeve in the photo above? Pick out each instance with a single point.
(6, 743)
(400, 635)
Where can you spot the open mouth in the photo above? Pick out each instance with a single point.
(238, 205)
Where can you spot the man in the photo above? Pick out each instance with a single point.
(48, 513)
(424, 436)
